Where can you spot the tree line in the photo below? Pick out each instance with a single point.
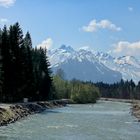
(122, 89)
(24, 71)
(77, 91)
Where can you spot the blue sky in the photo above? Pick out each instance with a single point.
(104, 25)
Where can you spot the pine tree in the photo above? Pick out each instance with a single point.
(16, 43)
(6, 65)
(1, 73)
(28, 67)
(46, 80)
(24, 71)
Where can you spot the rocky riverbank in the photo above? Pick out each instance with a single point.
(136, 109)
(10, 113)
(117, 100)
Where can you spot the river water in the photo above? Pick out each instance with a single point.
(104, 120)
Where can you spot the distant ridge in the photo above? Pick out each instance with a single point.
(87, 65)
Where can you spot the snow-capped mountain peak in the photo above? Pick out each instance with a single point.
(66, 48)
(86, 64)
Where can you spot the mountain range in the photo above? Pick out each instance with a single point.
(88, 65)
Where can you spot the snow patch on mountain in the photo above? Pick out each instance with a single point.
(129, 66)
(81, 64)
(88, 65)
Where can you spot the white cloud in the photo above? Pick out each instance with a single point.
(130, 9)
(127, 48)
(103, 24)
(7, 3)
(46, 43)
(3, 21)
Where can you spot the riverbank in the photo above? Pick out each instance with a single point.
(117, 100)
(9, 113)
(136, 109)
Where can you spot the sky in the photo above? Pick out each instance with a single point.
(111, 26)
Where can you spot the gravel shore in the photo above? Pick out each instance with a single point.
(9, 113)
(117, 100)
(136, 109)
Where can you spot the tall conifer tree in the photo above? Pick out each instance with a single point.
(24, 71)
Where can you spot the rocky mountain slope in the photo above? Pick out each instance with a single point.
(85, 64)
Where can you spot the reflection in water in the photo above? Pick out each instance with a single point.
(101, 121)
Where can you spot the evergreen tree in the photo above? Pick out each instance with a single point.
(28, 74)
(1, 74)
(42, 74)
(24, 71)
(16, 43)
(46, 80)
(6, 65)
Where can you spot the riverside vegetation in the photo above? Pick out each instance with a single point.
(79, 92)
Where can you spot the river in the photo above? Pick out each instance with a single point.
(104, 120)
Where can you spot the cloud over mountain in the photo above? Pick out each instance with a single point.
(127, 48)
(46, 43)
(103, 24)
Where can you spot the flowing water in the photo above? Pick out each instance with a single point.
(102, 121)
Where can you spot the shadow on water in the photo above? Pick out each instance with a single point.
(3, 138)
(8, 138)
(50, 111)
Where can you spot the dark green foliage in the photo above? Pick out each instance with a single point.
(137, 91)
(6, 63)
(24, 71)
(0, 62)
(28, 85)
(123, 89)
(43, 80)
(16, 43)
